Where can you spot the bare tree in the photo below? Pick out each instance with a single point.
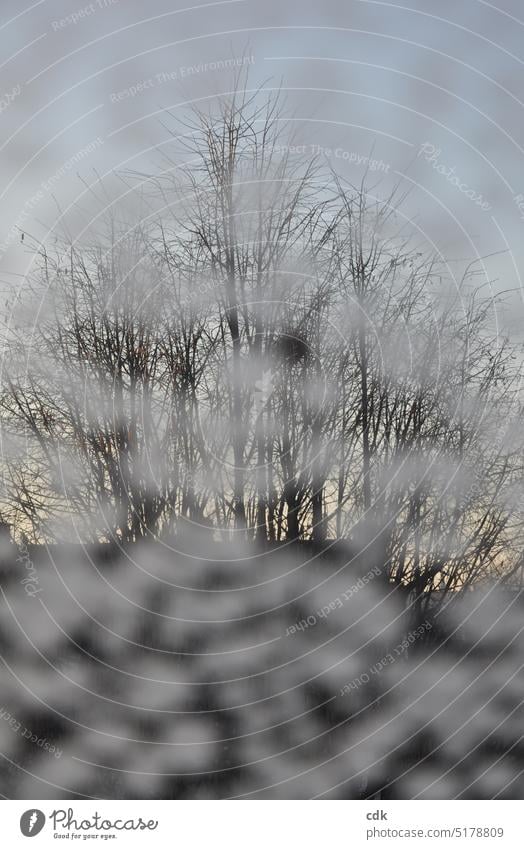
(270, 354)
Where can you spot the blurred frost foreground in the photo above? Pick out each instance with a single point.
(289, 446)
(288, 674)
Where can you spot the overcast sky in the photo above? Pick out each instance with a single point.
(430, 90)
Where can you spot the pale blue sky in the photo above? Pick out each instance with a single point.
(360, 76)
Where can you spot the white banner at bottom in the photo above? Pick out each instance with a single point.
(262, 824)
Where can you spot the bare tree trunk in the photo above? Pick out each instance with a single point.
(364, 400)
(239, 507)
(290, 496)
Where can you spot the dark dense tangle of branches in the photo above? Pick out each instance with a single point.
(267, 357)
